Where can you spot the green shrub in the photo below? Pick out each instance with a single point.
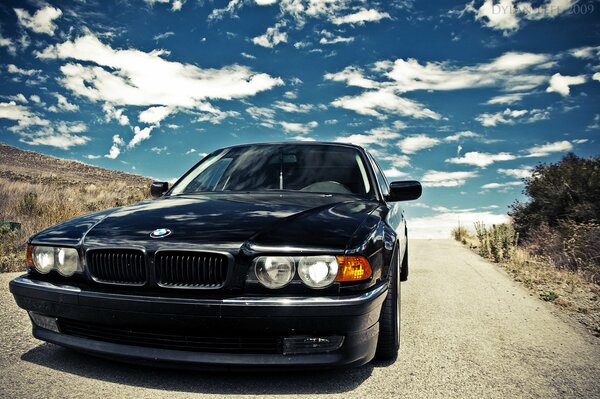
(460, 233)
(496, 243)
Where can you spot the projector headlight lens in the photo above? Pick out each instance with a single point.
(43, 259)
(274, 271)
(67, 261)
(318, 271)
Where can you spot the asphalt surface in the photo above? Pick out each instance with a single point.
(468, 331)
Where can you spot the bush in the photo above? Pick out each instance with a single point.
(571, 246)
(568, 190)
(496, 243)
(461, 234)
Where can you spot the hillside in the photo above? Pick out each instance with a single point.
(38, 191)
(33, 167)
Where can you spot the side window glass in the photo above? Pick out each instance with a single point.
(381, 180)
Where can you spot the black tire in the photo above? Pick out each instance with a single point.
(388, 342)
(404, 268)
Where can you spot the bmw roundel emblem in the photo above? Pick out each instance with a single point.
(160, 233)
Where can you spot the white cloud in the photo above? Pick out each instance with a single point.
(501, 185)
(377, 136)
(394, 172)
(481, 159)
(20, 98)
(63, 104)
(261, 112)
(58, 134)
(510, 117)
(11, 68)
(163, 35)
(230, 8)
(216, 116)
(292, 127)
(589, 52)
(9, 45)
(115, 149)
(291, 107)
(272, 37)
(461, 135)
(134, 77)
(140, 135)
(516, 173)
(290, 94)
(330, 38)
(512, 72)
(506, 99)
(412, 144)
(352, 76)
(549, 148)
(116, 114)
(40, 22)
(21, 114)
(175, 6)
(397, 161)
(507, 15)
(249, 56)
(360, 17)
(154, 115)
(158, 150)
(435, 178)
(509, 71)
(380, 102)
(52, 138)
(560, 84)
(265, 2)
(596, 76)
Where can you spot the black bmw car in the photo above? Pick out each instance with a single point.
(262, 255)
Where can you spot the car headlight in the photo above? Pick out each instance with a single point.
(274, 271)
(44, 259)
(67, 261)
(318, 271)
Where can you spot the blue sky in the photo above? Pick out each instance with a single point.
(465, 96)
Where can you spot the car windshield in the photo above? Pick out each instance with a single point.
(307, 168)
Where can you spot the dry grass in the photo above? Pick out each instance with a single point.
(51, 190)
(573, 290)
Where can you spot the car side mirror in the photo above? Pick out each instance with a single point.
(404, 191)
(159, 188)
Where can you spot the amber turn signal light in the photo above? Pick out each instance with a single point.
(30, 255)
(353, 268)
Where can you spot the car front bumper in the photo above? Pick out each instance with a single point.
(354, 317)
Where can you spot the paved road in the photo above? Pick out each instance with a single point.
(468, 331)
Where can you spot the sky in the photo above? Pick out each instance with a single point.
(465, 96)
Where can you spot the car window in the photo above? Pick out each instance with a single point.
(384, 186)
(308, 168)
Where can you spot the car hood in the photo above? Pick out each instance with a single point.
(221, 221)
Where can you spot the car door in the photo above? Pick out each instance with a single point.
(395, 218)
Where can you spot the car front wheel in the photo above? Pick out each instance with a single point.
(389, 321)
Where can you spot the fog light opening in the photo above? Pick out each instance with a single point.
(297, 345)
(49, 323)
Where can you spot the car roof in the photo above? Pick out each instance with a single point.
(303, 143)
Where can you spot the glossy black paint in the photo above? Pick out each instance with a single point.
(404, 191)
(244, 225)
(159, 188)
